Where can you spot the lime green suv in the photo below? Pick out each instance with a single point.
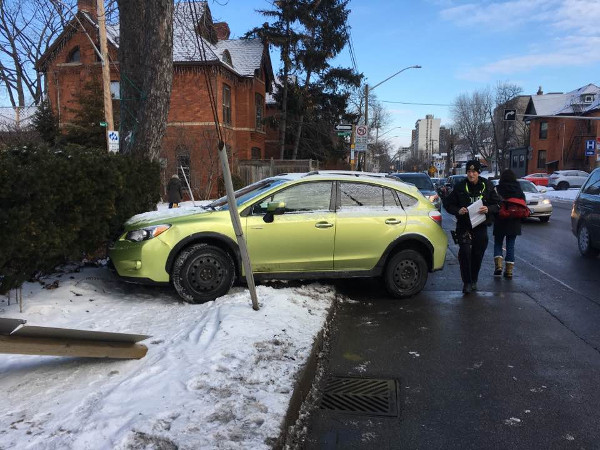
(297, 226)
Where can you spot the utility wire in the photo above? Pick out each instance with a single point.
(409, 103)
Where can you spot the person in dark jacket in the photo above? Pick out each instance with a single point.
(510, 228)
(174, 191)
(472, 241)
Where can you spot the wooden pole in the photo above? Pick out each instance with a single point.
(108, 111)
(71, 347)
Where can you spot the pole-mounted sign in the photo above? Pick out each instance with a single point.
(510, 115)
(343, 127)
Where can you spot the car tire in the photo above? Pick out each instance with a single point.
(562, 186)
(544, 219)
(202, 272)
(584, 243)
(405, 274)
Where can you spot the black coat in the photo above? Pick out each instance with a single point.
(510, 226)
(174, 190)
(465, 195)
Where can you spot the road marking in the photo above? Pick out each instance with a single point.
(554, 278)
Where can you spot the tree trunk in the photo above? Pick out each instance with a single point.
(286, 73)
(146, 63)
(300, 119)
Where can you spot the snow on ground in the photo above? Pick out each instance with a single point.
(217, 375)
(568, 195)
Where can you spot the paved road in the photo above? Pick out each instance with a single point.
(516, 365)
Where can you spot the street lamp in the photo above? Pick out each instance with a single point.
(381, 82)
(377, 136)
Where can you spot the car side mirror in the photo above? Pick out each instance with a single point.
(273, 208)
(543, 190)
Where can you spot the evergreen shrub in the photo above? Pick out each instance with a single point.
(61, 205)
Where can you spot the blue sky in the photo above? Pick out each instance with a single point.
(461, 45)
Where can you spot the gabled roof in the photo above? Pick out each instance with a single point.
(564, 104)
(189, 46)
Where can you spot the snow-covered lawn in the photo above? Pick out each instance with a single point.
(217, 375)
(568, 194)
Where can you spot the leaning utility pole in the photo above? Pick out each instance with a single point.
(108, 112)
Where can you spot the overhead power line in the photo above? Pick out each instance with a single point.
(410, 103)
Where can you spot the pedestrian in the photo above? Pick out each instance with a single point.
(174, 191)
(472, 242)
(509, 228)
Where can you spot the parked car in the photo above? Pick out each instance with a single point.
(565, 179)
(423, 184)
(585, 216)
(302, 226)
(539, 179)
(452, 181)
(539, 205)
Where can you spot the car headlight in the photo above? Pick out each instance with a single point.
(143, 234)
(545, 202)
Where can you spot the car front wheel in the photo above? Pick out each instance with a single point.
(584, 243)
(202, 273)
(405, 273)
(562, 186)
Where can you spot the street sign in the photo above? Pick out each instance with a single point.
(344, 133)
(343, 127)
(103, 124)
(590, 147)
(113, 141)
(510, 115)
(360, 138)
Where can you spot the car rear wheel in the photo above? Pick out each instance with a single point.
(405, 274)
(202, 273)
(562, 186)
(584, 243)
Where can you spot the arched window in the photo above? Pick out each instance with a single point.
(227, 57)
(74, 56)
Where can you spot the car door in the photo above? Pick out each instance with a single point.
(299, 239)
(581, 178)
(589, 205)
(368, 218)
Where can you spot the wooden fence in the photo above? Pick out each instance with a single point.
(256, 169)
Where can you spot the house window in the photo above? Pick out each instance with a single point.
(521, 160)
(255, 153)
(74, 56)
(588, 99)
(226, 105)
(543, 130)
(227, 57)
(541, 162)
(515, 161)
(183, 168)
(259, 104)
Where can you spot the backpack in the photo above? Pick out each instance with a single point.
(514, 208)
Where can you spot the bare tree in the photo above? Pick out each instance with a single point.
(27, 29)
(509, 134)
(471, 117)
(146, 62)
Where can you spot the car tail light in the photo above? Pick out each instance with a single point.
(436, 216)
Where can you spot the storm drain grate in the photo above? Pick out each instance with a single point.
(361, 396)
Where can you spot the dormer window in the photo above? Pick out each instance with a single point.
(74, 56)
(227, 58)
(588, 98)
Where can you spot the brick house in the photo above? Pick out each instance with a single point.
(557, 138)
(240, 74)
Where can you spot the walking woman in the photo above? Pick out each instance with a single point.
(508, 228)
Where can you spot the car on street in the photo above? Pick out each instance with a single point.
(539, 205)
(585, 216)
(565, 179)
(539, 179)
(296, 226)
(424, 184)
(452, 181)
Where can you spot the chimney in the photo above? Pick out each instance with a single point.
(90, 7)
(540, 92)
(222, 30)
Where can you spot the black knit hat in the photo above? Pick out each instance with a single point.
(474, 164)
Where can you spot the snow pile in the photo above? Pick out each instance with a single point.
(568, 194)
(217, 375)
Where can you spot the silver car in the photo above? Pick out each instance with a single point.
(565, 179)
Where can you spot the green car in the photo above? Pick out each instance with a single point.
(297, 226)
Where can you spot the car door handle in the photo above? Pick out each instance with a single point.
(256, 228)
(323, 225)
(393, 221)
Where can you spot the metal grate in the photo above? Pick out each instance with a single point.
(361, 396)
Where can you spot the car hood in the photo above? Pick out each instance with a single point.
(531, 196)
(163, 216)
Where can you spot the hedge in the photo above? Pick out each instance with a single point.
(61, 205)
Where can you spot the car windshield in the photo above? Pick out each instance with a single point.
(528, 186)
(246, 193)
(457, 179)
(422, 182)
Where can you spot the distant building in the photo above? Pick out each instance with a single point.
(426, 138)
(560, 129)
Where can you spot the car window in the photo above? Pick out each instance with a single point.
(407, 200)
(246, 193)
(300, 198)
(528, 186)
(592, 186)
(365, 195)
(422, 182)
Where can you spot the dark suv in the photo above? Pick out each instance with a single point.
(585, 216)
(423, 183)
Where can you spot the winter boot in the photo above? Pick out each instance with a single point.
(498, 264)
(508, 270)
